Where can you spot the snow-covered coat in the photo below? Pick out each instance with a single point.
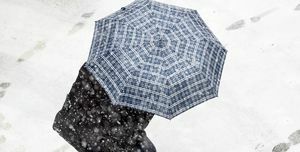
(90, 123)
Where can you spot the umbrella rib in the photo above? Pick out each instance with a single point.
(181, 58)
(146, 51)
(102, 82)
(221, 68)
(195, 103)
(100, 32)
(201, 22)
(143, 48)
(215, 64)
(211, 76)
(121, 65)
(195, 50)
(192, 94)
(196, 83)
(90, 55)
(174, 63)
(121, 43)
(195, 26)
(208, 72)
(129, 59)
(203, 54)
(141, 16)
(109, 30)
(108, 76)
(189, 30)
(208, 60)
(185, 68)
(144, 23)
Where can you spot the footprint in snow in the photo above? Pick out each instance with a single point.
(236, 25)
(87, 15)
(241, 23)
(297, 8)
(4, 85)
(40, 45)
(294, 139)
(260, 16)
(281, 147)
(76, 28)
(4, 126)
(2, 93)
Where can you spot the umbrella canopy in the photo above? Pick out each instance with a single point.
(156, 57)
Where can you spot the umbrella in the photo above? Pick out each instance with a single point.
(156, 57)
(90, 123)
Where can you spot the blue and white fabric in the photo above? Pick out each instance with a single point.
(156, 57)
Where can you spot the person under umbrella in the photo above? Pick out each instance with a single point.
(90, 123)
(148, 58)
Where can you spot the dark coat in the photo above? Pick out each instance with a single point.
(90, 123)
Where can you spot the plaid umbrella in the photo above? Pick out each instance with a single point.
(156, 57)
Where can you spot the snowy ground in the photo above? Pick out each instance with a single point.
(43, 43)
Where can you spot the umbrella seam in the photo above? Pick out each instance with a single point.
(101, 33)
(190, 95)
(189, 106)
(195, 14)
(174, 94)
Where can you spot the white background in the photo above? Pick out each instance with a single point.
(259, 97)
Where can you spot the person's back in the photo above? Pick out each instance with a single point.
(90, 122)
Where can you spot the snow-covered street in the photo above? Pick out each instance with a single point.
(43, 43)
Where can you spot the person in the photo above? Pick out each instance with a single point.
(91, 123)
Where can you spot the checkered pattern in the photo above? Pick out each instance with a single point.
(156, 57)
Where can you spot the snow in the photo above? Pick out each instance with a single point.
(44, 43)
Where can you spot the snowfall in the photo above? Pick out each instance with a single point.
(43, 43)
